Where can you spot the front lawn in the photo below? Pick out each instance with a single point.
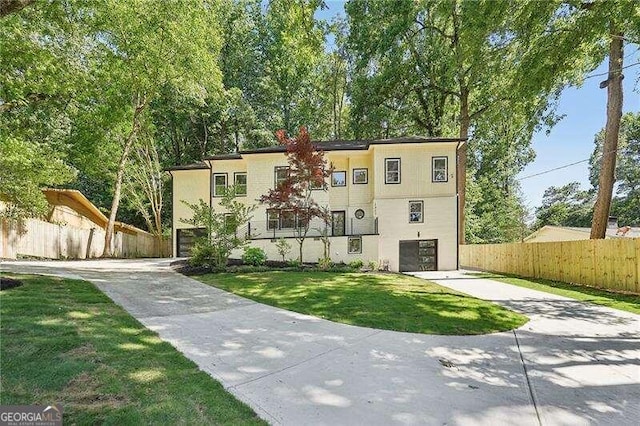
(385, 301)
(63, 341)
(625, 302)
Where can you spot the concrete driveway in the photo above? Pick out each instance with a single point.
(572, 364)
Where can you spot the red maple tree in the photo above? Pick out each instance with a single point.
(308, 171)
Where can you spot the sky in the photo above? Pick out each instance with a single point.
(584, 114)
(571, 140)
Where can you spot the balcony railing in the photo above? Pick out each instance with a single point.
(317, 228)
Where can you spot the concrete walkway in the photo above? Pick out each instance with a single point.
(572, 364)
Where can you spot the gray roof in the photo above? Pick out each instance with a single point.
(195, 166)
(340, 145)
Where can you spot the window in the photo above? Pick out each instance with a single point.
(339, 178)
(287, 219)
(230, 223)
(219, 184)
(273, 219)
(416, 211)
(391, 170)
(338, 223)
(354, 245)
(240, 182)
(317, 180)
(439, 167)
(281, 174)
(360, 176)
(283, 219)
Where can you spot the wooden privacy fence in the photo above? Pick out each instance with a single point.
(613, 264)
(52, 241)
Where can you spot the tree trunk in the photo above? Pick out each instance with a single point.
(606, 178)
(115, 203)
(462, 162)
(300, 254)
(158, 220)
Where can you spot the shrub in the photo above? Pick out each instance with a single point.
(202, 255)
(220, 237)
(325, 263)
(356, 264)
(294, 264)
(254, 256)
(373, 265)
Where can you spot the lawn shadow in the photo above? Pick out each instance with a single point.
(383, 301)
(65, 341)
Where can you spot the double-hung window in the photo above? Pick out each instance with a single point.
(281, 174)
(439, 168)
(273, 219)
(287, 219)
(240, 182)
(219, 184)
(416, 211)
(317, 179)
(391, 170)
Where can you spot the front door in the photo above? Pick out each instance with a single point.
(418, 255)
(338, 223)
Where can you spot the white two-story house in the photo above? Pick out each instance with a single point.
(392, 201)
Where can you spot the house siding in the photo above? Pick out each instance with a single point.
(389, 203)
(190, 186)
(439, 223)
(313, 249)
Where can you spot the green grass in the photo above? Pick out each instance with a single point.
(64, 341)
(624, 302)
(384, 301)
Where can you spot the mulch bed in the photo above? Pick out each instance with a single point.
(7, 283)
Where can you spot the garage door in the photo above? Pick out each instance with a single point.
(186, 238)
(418, 255)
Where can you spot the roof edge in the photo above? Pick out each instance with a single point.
(340, 145)
(194, 166)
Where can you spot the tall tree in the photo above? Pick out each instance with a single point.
(576, 35)
(293, 45)
(626, 202)
(40, 71)
(145, 185)
(566, 205)
(449, 64)
(612, 131)
(147, 48)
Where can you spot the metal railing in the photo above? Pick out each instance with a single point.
(256, 229)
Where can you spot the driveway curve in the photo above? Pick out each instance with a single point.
(572, 363)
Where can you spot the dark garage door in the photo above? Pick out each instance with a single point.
(418, 255)
(186, 238)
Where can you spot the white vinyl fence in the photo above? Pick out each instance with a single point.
(36, 238)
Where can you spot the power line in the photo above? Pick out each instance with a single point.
(564, 166)
(614, 71)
